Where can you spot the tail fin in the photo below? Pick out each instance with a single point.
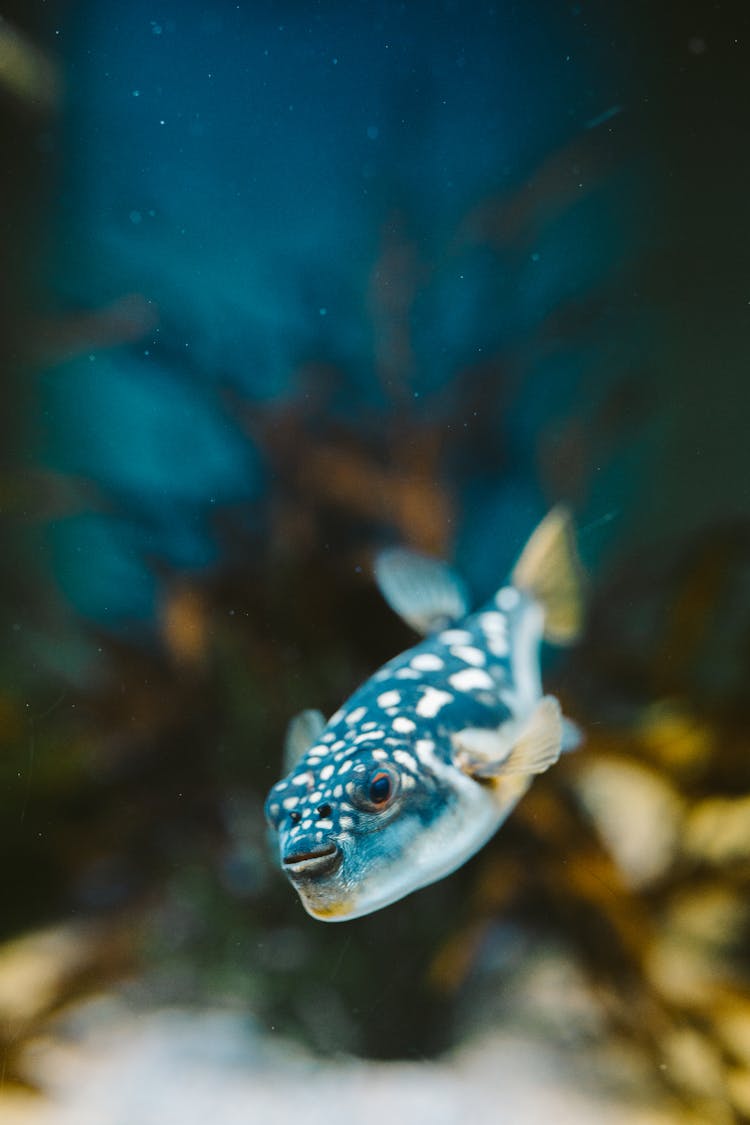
(550, 571)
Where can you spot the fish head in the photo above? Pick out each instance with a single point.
(362, 831)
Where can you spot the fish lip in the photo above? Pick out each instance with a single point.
(319, 861)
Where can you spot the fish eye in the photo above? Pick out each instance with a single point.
(377, 791)
(380, 788)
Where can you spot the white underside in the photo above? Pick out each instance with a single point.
(443, 848)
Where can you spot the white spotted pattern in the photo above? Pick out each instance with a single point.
(403, 726)
(469, 655)
(369, 736)
(433, 701)
(405, 759)
(494, 623)
(389, 699)
(356, 715)
(455, 637)
(425, 748)
(470, 678)
(426, 662)
(507, 598)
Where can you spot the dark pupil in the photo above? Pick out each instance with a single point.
(380, 788)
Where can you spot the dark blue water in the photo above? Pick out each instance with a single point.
(247, 169)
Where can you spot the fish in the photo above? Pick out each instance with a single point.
(422, 764)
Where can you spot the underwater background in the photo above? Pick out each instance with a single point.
(285, 283)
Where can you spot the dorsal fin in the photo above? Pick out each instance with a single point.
(425, 592)
(550, 571)
(303, 731)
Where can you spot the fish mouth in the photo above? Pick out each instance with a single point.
(321, 860)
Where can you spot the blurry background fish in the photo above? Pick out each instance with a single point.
(285, 283)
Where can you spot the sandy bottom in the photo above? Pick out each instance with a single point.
(109, 1065)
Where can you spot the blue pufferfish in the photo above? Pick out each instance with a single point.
(424, 762)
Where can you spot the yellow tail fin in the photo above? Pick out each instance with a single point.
(550, 571)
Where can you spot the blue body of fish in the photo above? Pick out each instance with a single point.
(427, 758)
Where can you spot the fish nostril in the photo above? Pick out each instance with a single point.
(295, 817)
(324, 811)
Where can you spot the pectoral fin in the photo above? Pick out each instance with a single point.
(527, 746)
(303, 730)
(549, 569)
(572, 736)
(425, 592)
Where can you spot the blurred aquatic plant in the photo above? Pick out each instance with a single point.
(635, 856)
(633, 859)
(26, 70)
